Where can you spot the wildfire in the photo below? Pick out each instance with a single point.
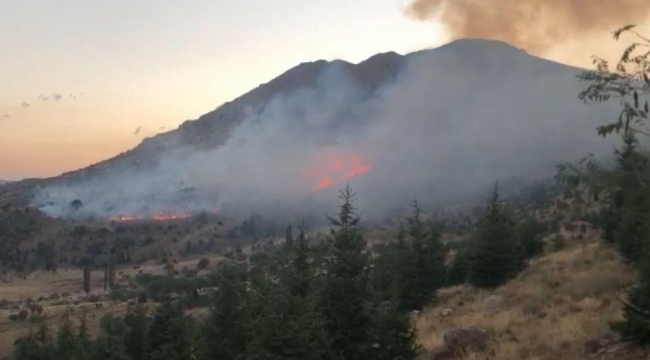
(158, 216)
(124, 218)
(167, 217)
(334, 167)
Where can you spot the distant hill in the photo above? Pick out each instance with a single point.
(432, 124)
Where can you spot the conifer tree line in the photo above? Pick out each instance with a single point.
(340, 303)
(623, 188)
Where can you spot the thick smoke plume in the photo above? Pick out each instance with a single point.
(535, 25)
(447, 125)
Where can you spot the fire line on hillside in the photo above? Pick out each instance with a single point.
(157, 217)
(334, 167)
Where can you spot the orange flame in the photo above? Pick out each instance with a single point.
(158, 216)
(333, 167)
(124, 218)
(167, 217)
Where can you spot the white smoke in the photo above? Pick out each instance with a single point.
(453, 121)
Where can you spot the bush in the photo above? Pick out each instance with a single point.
(119, 294)
(203, 264)
(558, 242)
(94, 298)
(23, 314)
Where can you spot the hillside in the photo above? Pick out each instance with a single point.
(572, 290)
(449, 121)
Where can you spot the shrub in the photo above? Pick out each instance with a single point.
(558, 242)
(94, 298)
(23, 314)
(119, 295)
(203, 264)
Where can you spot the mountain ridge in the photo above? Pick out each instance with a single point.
(211, 129)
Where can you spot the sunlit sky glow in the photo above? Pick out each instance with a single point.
(119, 65)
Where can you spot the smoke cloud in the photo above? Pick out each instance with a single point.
(535, 25)
(450, 123)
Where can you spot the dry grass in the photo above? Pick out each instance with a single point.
(550, 310)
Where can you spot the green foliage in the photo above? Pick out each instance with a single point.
(287, 326)
(528, 233)
(392, 336)
(635, 325)
(412, 269)
(168, 333)
(110, 344)
(457, 271)
(496, 254)
(626, 219)
(300, 302)
(345, 298)
(86, 277)
(136, 336)
(225, 333)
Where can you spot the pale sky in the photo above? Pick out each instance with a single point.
(152, 64)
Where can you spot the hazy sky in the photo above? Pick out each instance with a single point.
(125, 70)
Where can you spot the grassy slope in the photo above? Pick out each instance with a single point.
(565, 299)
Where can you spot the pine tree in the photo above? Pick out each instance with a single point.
(631, 202)
(528, 234)
(111, 343)
(496, 256)
(635, 325)
(420, 268)
(345, 297)
(67, 343)
(300, 335)
(458, 269)
(288, 238)
(168, 333)
(393, 337)
(225, 332)
(136, 339)
(106, 277)
(87, 279)
(301, 269)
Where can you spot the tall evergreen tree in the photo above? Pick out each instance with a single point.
(288, 237)
(136, 339)
(631, 202)
(528, 233)
(496, 256)
(302, 271)
(392, 336)
(421, 270)
(225, 332)
(635, 325)
(344, 299)
(110, 344)
(168, 333)
(286, 325)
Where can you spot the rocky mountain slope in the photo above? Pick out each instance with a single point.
(449, 121)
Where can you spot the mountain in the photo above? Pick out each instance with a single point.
(434, 124)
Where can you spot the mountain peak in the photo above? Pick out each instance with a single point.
(474, 44)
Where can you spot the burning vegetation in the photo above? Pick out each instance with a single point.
(335, 167)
